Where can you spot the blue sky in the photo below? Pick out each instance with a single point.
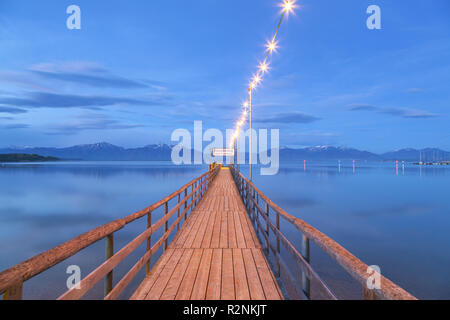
(137, 70)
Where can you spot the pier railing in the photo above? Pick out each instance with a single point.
(12, 280)
(261, 208)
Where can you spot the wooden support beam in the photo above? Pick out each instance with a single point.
(109, 254)
(306, 255)
(185, 203)
(278, 242)
(166, 225)
(179, 200)
(14, 292)
(267, 227)
(149, 243)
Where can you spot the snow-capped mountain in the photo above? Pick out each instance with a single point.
(162, 152)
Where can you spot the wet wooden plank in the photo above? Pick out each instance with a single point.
(201, 281)
(195, 230)
(149, 280)
(224, 231)
(207, 238)
(185, 290)
(240, 276)
(174, 283)
(232, 241)
(246, 231)
(191, 221)
(239, 232)
(228, 291)
(215, 239)
(270, 287)
(215, 276)
(254, 282)
(162, 279)
(202, 229)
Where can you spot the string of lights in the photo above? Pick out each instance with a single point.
(288, 7)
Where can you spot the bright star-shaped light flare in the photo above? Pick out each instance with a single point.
(263, 67)
(288, 6)
(272, 46)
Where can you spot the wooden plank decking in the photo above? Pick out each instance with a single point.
(216, 255)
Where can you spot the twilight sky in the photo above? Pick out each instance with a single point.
(139, 69)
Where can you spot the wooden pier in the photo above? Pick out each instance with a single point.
(225, 231)
(216, 255)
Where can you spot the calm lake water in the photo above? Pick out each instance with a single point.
(398, 219)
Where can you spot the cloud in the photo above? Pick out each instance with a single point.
(81, 73)
(406, 113)
(12, 110)
(101, 81)
(15, 126)
(90, 74)
(91, 122)
(292, 117)
(71, 67)
(361, 107)
(24, 79)
(414, 90)
(51, 100)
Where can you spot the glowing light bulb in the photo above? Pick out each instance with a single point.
(272, 46)
(263, 67)
(288, 6)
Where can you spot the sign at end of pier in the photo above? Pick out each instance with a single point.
(223, 152)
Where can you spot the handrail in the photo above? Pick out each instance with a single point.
(12, 279)
(357, 269)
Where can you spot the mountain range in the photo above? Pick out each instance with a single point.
(99, 152)
(160, 152)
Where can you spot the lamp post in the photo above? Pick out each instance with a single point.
(288, 7)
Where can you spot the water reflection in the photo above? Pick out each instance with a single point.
(395, 215)
(44, 205)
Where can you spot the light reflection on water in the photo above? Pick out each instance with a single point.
(386, 215)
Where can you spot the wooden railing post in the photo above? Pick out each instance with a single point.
(185, 203)
(244, 188)
(255, 212)
(239, 185)
(278, 244)
(267, 227)
(149, 243)
(14, 292)
(193, 197)
(247, 195)
(202, 192)
(196, 193)
(368, 294)
(166, 225)
(109, 254)
(179, 200)
(306, 255)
